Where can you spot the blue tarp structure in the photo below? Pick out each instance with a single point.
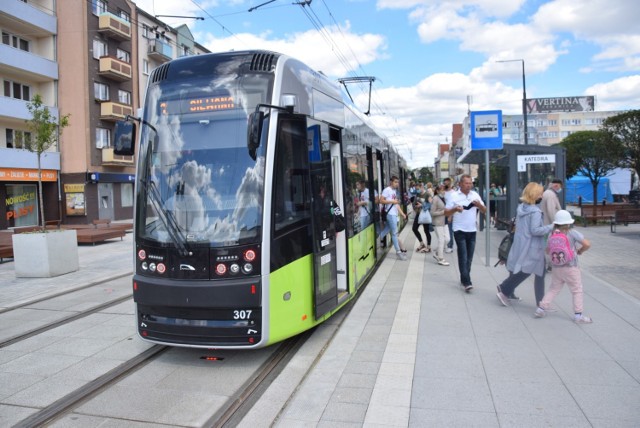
(581, 186)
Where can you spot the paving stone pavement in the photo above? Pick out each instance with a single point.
(415, 350)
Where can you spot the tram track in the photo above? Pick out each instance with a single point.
(70, 401)
(62, 321)
(62, 293)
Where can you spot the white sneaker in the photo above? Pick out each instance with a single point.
(443, 262)
(448, 250)
(401, 255)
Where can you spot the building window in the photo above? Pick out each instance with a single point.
(99, 49)
(126, 194)
(22, 205)
(100, 91)
(553, 122)
(17, 90)
(185, 50)
(103, 138)
(99, 7)
(145, 31)
(124, 97)
(145, 67)
(16, 139)
(15, 41)
(123, 56)
(124, 15)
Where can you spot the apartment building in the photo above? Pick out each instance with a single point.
(98, 85)
(27, 67)
(106, 51)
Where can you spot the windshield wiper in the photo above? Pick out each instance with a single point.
(167, 218)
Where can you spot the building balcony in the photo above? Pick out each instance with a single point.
(114, 111)
(34, 67)
(114, 69)
(38, 21)
(160, 51)
(108, 158)
(12, 108)
(114, 27)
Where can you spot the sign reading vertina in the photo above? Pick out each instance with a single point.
(550, 105)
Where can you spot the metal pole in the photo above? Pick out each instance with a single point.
(487, 223)
(524, 105)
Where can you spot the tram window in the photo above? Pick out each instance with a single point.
(290, 200)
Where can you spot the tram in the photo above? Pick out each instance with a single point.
(242, 157)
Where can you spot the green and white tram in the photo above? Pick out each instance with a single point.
(240, 158)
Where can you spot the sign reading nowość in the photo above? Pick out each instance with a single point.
(523, 160)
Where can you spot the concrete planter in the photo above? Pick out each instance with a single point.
(42, 255)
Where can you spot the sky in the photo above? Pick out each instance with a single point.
(433, 61)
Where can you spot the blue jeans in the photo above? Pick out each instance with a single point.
(449, 224)
(466, 243)
(391, 225)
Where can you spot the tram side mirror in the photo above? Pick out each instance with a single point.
(124, 138)
(254, 132)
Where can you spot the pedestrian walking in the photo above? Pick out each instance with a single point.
(550, 204)
(391, 204)
(440, 229)
(448, 220)
(563, 248)
(526, 256)
(422, 202)
(464, 206)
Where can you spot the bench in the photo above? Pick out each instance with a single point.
(602, 212)
(101, 231)
(6, 245)
(625, 216)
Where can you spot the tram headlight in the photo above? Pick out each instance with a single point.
(142, 254)
(247, 268)
(249, 255)
(221, 269)
(144, 265)
(152, 267)
(234, 268)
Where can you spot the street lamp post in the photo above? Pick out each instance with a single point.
(524, 98)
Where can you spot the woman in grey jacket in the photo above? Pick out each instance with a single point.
(526, 256)
(437, 219)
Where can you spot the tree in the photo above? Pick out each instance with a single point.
(625, 127)
(45, 131)
(593, 154)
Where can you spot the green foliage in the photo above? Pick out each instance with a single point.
(45, 130)
(43, 126)
(592, 154)
(625, 127)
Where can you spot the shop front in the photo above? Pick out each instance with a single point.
(19, 190)
(97, 195)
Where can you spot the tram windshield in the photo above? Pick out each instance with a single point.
(197, 182)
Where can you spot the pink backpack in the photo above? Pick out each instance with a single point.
(559, 249)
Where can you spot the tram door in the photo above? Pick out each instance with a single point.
(325, 179)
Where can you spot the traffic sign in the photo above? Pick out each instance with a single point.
(486, 130)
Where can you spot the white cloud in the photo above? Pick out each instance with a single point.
(310, 47)
(619, 94)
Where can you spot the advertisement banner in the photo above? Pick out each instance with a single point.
(560, 104)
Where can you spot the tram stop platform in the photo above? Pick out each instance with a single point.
(416, 350)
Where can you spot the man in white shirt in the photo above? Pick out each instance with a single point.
(464, 204)
(390, 203)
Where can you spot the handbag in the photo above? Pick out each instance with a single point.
(424, 217)
(383, 213)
